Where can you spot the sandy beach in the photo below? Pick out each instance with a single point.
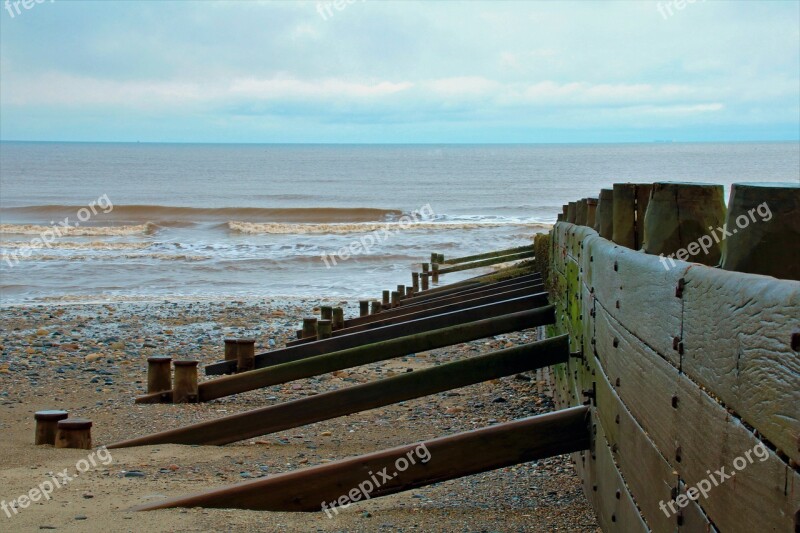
(90, 360)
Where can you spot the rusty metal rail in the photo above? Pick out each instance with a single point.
(451, 457)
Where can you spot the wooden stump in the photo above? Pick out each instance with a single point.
(604, 216)
(324, 330)
(74, 433)
(245, 355)
(184, 389)
(159, 376)
(47, 425)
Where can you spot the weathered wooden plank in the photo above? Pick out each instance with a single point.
(639, 293)
(487, 255)
(613, 504)
(443, 458)
(697, 435)
(737, 343)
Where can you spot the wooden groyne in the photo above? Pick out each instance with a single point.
(687, 369)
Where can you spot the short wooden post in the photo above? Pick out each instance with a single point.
(425, 282)
(309, 327)
(434, 257)
(326, 312)
(158, 372)
(401, 289)
(678, 218)
(564, 209)
(580, 212)
(395, 298)
(604, 217)
(409, 291)
(375, 308)
(591, 211)
(324, 329)
(74, 433)
(415, 281)
(47, 424)
(245, 355)
(435, 272)
(767, 217)
(230, 349)
(386, 295)
(184, 388)
(338, 318)
(363, 307)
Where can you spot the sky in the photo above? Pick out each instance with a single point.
(372, 71)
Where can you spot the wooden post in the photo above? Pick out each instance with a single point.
(490, 255)
(386, 295)
(230, 349)
(415, 281)
(425, 268)
(571, 212)
(184, 389)
(363, 307)
(409, 291)
(395, 298)
(309, 327)
(591, 211)
(323, 329)
(326, 312)
(435, 272)
(580, 212)
(424, 278)
(159, 376)
(767, 216)
(679, 216)
(338, 317)
(47, 424)
(604, 218)
(245, 355)
(74, 433)
(434, 257)
(629, 208)
(375, 308)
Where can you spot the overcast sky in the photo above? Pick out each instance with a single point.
(405, 72)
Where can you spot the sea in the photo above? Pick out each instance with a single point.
(101, 222)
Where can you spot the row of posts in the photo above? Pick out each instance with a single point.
(758, 232)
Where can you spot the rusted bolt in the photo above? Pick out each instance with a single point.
(618, 494)
(616, 342)
(616, 419)
(678, 454)
(617, 383)
(617, 304)
(674, 402)
(594, 488)
(613, 518)
(796, 341)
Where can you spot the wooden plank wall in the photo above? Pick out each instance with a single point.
(688, 370)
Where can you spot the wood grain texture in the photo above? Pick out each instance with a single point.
(698, 435)
(737, 343)
(639, 293)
